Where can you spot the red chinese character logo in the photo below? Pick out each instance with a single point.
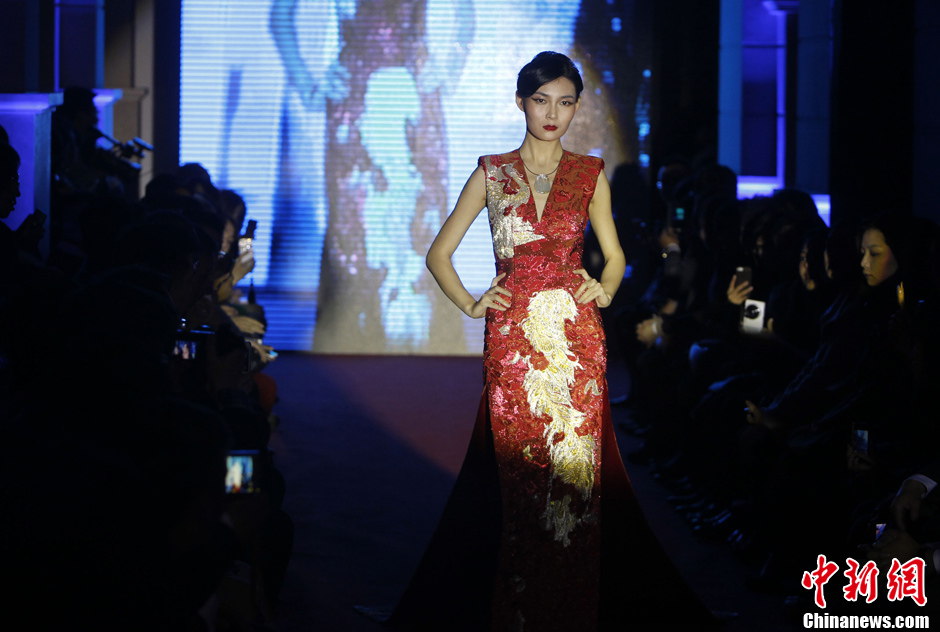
(862, 581)
(907, 580)
(818, 578)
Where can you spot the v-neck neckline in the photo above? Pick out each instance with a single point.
(539, 216)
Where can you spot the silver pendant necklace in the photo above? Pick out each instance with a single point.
(542, 183)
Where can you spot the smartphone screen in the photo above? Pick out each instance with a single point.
(752, 316)
(189, 342)
(186, 349)
(240, 472)
(860, 441)
(245, 241)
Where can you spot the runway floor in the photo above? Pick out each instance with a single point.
(370, 446)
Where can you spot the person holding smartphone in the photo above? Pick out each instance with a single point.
(848, 419)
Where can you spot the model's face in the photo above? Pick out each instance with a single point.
(878, 262)
(549, 110)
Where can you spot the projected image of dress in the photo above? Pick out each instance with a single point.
(386, 183)
(304, 33)
(344, 125)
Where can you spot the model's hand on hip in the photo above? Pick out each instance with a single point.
(497, 297)
(591, 290)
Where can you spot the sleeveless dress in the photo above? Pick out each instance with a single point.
(542, 531)
(544, 361)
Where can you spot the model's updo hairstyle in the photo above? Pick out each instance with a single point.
(544, 67)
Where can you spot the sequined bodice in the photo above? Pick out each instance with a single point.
(546, 252)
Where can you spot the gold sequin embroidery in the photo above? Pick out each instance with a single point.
(507, 227)
(548, 393)
(558, 516)
(591, 387)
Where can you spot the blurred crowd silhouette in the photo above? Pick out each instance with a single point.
(782, 373)
(139, 488)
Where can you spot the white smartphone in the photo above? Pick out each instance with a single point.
(752, 318)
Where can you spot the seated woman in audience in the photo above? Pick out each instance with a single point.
(239, 262)
(828, 439)
(769, 257)
(794, 309)
(660, 375)
(741, 363)
(903, 435)
(846, 331)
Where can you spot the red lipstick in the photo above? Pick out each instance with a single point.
(549, 128)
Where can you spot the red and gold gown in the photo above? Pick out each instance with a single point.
(542, 531)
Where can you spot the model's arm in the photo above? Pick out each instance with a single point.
(602, 221)
(471, 200)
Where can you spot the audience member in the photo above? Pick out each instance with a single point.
(782, 371)
(75, 166)
(123, 367)
(20, 245)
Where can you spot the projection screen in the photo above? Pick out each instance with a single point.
(350, 128)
